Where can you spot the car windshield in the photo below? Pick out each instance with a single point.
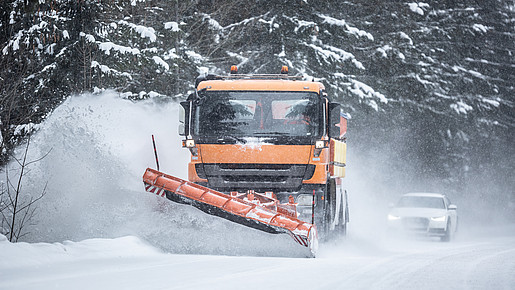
(236, 113)
(421, 201)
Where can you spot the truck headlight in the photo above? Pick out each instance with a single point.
(320, 144)
(305, 199)
(438, 218)
(392, 217)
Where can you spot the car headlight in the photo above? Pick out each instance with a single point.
(392, 217)
(438, 218)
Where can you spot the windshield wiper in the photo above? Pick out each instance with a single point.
(272, 133)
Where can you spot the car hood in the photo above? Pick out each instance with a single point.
(417, 212)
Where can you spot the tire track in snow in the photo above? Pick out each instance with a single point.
(499, 264)
(440, 266)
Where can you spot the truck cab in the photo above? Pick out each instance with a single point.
(275, 134)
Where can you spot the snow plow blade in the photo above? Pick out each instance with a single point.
(258, 211)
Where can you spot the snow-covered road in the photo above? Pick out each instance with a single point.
(129, 263)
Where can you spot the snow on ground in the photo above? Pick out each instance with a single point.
(98, 229)
(130, 263)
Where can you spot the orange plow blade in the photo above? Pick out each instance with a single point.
(258, 211)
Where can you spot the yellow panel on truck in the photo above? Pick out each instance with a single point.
(338, 158)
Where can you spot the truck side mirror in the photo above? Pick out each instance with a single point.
(184, 118)
(182, 129)
(337, 123)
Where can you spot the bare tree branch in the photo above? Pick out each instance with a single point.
(17, 212)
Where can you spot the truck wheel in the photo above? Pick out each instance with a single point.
(347, 216)
(341, 228)
(326, 228)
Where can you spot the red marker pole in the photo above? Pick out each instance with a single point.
(155, 152)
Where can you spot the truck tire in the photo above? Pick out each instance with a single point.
(347, 215)
(336, 211)
(329, 207)
(341, 227)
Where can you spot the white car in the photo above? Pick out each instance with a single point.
(430, 214)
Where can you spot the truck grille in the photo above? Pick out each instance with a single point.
(260, 177)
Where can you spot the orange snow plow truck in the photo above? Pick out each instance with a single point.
(267, 152)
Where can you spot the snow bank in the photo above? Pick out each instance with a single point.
(15, 255)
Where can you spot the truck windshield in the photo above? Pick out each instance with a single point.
(254, 114)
